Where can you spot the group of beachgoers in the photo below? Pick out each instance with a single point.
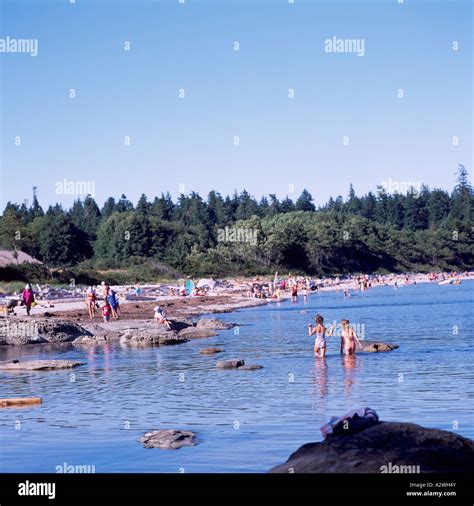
(273, 289)
(349, 337)
(303, 285)
(103, 298)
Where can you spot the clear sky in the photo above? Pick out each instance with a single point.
(285, 142)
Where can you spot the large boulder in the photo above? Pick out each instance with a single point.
(180, 323)
(34, 331)
(385, 447)
(161, 336)
(169, 439)
(38, 365)
(377, 346)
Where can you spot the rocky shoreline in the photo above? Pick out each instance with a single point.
(136, 326)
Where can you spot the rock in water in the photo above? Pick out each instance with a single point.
(250, 367)
(385, 447)
(161, 336)
(232, 363)
(211, 351)
(38, 365)
(376, 346)
(171, 439)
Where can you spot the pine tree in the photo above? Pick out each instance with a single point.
(305, 202)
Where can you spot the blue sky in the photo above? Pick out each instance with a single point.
(284, 143)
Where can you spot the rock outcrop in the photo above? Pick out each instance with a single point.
(385, 447)
(169, 439)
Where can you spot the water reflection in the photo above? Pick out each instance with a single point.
(351, 367)
(321, 376)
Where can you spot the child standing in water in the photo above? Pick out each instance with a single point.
(348, 339)
(320, 341)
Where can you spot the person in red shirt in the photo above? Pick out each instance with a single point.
(28, 298)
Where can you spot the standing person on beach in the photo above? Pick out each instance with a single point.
(90, 301)
(27, 298)
(105, 290)
(113, 303)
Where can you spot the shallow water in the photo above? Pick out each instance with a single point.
(247, 421)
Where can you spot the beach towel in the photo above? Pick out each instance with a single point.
(350, 423)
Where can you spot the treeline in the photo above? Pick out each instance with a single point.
(418, 230)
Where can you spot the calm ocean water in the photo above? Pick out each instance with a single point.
(247, 421)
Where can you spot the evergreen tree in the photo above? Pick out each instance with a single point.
(305, 202)
(163, 207)
(109, 208)
(287, 205)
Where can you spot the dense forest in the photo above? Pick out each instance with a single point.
(428, 229)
